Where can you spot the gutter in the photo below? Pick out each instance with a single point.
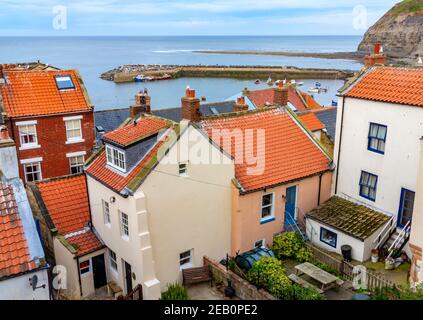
(79, 276)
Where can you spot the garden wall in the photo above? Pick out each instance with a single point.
(243, 289)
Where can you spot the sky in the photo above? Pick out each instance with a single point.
(188, 17)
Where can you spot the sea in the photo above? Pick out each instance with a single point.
(94, 55)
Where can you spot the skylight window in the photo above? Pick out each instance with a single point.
(64, 82)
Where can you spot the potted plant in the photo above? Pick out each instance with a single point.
(375, 255)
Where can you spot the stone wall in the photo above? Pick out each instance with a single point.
(243, 289)
(416, 263)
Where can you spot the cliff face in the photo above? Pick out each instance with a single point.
(400, 31)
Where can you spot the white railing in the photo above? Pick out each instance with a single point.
(402, 235)
(386, 231)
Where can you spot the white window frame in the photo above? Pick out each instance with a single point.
(64, 78)
(27, 124)
(76, 165)
(113, 260)
(89, 268)
(106, 212)
(68, 121)
(112, 158)
(272, 206)
(32, 163)
(187, 264)
(263, 243)
(183, 169)
(124, 227)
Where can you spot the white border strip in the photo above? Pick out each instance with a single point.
(76, 154)
(72, 118)
(26, 123)
(31, 160)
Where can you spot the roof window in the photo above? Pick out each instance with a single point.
(64, 82)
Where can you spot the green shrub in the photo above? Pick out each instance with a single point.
(327, 268)
(175, 292)
(301, 293)
(269, 273)
(398, 294)
(291, 245)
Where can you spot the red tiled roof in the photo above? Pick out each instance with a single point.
(66, 200)
(311, 121)
(262, 97)
(29, 93)
(145, 126)
(99, 169)
(289, 152)
(86, 242)
(390, 84)
(14, 252)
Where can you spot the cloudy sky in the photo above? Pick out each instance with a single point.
(189, 17)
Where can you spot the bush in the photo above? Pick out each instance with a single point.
(327, 268)
(269, 273)
(301, 293)
(175, 292)
(291, 245)
(397, 294)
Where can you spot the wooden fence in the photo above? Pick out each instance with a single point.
(374, 280)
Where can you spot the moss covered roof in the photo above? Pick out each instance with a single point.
(351, 218)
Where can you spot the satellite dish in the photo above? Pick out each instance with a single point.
(34, 281)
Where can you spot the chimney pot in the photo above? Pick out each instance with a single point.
(280, 95)
(190, 106)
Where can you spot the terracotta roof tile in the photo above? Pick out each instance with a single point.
(300, 100)
(14, 252)
(66, 200)
(145, 126)
(28, 93)
(311, 121)
(390, 84)
(289, 152)
(85, 242)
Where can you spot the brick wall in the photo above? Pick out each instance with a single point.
(51, 135)
(243, 289)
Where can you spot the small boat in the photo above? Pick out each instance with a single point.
(269, 81)
(139, 78)
(334, 103)
(313, 90)
(148, 78)
(317, 84)
(295, 83)
(257, 81)
(164, 77)
(300, 83)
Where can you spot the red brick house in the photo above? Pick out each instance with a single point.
(50, 117)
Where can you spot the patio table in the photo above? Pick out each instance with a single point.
(326, 279)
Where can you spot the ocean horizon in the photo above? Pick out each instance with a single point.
(93, 55)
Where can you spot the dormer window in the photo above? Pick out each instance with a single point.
(64, 83)
(115, 158)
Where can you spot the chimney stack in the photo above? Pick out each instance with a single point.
(377, 57)
(240, 104)
(1, 71)
(280, 96)
(4, 133)
(142, 104)
(190, 106)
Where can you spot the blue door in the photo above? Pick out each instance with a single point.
(290, 205)
(405, 212)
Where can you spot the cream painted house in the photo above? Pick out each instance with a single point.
(160, 198)
(416, 237)
(377, 154)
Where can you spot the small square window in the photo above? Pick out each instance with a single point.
(377, 138)
(113, 260)
(64, 82)
(328, 237)
(183, 169)
(115, 158)
(73, 130)
(76, 164)
(84, 266)
(185, 258)
(368, 184)
(28, 135)
(32, 171)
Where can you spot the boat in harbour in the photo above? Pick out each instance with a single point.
(140, 78)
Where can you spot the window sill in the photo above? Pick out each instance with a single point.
(186, 266)
(30, 147)
(367, 198)
(108, 225)
(75, 141)
(376, 151)
(125, 238)
(266, 220)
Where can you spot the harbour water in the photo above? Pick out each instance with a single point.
(94, 55)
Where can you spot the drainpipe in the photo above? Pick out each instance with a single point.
(339, 147)
(320, 187)
(79, 276)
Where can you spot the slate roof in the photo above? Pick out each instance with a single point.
(35, 92)
(351, 218)
(389, 84)
(14, 252)
(110, 119)
(289, 153)
(328, 117)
